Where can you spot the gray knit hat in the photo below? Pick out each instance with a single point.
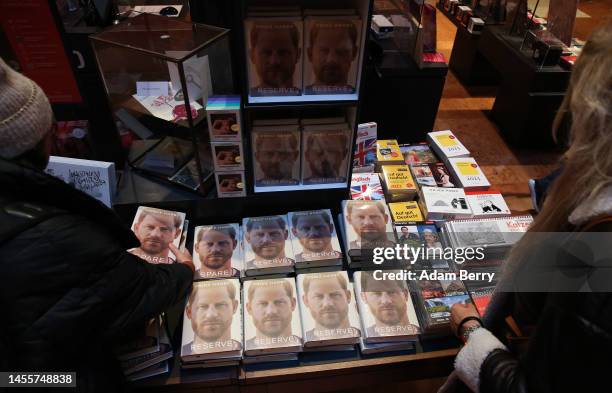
(25, 113)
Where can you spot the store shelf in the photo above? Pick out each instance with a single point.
(301, 187)
(298, 100)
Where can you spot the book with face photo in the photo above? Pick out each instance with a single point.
(332, 45)
(368, 225)
(230, 184)
(276, 155)
(156, 229)
(216, 251)
(274, 53)
(423, 175)
(385, 308)
(327, 307)
(272, 321)
(325, 153)
(267, 246)
(314, 238)
(212, 323)
(227, 156)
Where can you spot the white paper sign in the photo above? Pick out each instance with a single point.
(145, 89)
(197, 76)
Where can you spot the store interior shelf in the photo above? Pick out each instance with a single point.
(301, 187)
(304, 99)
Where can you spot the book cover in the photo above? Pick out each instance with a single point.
(446, 144)
(487, 204)
(388, 152)
(398, 180)
(405, 212)
(468, 174)
(437, 310)
(271, 317)
(313, 236)
(227, 156)
(332, 45)
(366, 186)
(489, 232)
(444, 203)
(481, 298)
(365, 147)
(230, 184)
(217, 252)
(266, 243)
(224, 122)
(325, 153)
(418, 154)
(327, 306)
(368, 225)
(385, 308)
(442, 175)
(423, 175)
(212, 322)
(276, 155)
(95, 178)
(156, 229)
(274, 53)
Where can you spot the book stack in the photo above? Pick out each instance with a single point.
(434, 301)
(272, 325)
(388, 153)
(217, 251)
(425, 237)
(325, 150)
(330, 321)
(386, 312)
(314, 240)
(267, 246)
(364, 156)
(366, 187)
(276, 154)
(148, 355)
(443, 203)
(446, 145)
(212, 325)
(225, 130)
(398, 183)
(467, 174)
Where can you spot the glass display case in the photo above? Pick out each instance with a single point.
(158, 73)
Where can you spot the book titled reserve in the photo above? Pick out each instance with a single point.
(314, 239)
(447, 145)
(468, 174)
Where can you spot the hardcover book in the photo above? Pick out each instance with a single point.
(230, 184)
(224, 123)
(314, 238)
(367, 225)
(325, 153)
(156, 229)
(276, 155)
(446, 144)
(418, 154)
(332, 45)
(95, 178)
(468, 174)
(274, 53)
(217, 252)
(366, 186)
(405, 212)
(267, 246)
(212, 323)
(271, 317)
(327, 307)
(364, 156)
(443, 203)
(442, 176)
(385, 309)
(487, 204)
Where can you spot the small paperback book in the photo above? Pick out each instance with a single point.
(437, 297)
(224, 122)
(314, 238)
(388, 153)
(212, 323)
(442, 176)
(444, 203)
(227, 156)
(276, 155)
(446, 145)
(95, 178)
(398, 180)
(364, 156)
(366, 187)
(487, 204)
(385, 308)
(418, 154)
(328, 309)
(267, 246)
(156, 229)
(271, 317)
(217, 252)
(230, 184)
(423, 175)
(341, 36)
(405, 212)
(325, 153)
(267, 40)
(468, 174)
(367, 225)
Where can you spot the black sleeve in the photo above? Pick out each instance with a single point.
(501, 372)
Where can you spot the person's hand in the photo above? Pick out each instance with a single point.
(459, 312)
(183, 257)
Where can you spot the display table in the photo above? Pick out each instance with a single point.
(528, 97)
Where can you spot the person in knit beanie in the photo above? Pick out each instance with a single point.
(25, 115)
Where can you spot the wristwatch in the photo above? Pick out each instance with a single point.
(466, 333)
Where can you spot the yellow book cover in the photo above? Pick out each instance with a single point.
(388, 150)
(398, 179)
(405, 212)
